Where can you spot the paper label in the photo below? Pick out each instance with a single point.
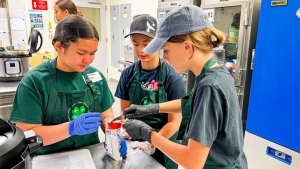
(94, 77)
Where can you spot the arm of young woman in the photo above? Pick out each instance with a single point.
(55, 133)
(172, 125)
(50, 134)
(173, 106)
(124, 104)
(192, 156)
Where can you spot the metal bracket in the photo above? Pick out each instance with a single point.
(240, 97)
(242, 74)
(252, 59)
(247, 14)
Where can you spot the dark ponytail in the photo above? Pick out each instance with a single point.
(67, 5)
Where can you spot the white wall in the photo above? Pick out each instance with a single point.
(48, 16)
(137, 7)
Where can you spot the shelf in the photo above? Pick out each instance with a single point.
(123, 62)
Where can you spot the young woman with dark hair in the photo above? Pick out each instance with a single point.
(65, 100)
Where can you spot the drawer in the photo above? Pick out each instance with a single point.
(6, 99)
(5, 110)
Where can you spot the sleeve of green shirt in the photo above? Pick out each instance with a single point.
(107, 98)
(28, 106)
(206, 115)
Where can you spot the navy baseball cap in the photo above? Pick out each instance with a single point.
(179, 21)
(145, 25)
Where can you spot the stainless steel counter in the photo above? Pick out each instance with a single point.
(137, 158)
(7, 94)
(7, 87)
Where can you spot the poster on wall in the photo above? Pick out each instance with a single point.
(36, 19)
(39, 5)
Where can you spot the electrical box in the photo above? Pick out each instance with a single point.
(125, 15)
(115, 35)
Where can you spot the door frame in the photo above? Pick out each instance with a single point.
(101, 58)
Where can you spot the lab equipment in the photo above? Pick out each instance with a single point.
(113, 139)
(16, 145)
(272, 129)
(14, 64)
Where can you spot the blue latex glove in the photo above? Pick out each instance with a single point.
(123, 149)
(85, 124)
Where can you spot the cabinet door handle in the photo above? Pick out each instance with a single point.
(5, 106)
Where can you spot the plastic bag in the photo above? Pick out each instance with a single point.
(145, 146)
(125, 135)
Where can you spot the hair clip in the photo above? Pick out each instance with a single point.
(215, 44)
(214, 40)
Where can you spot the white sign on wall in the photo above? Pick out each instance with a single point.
(17, 22)
(211, 14)
(161, 14)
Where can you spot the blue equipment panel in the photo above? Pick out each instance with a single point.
(281, 156)
(274, 106)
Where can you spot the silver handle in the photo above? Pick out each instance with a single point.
(241, 78)
(10, 105)
(247, 14)
(240, 97)
(252, 59)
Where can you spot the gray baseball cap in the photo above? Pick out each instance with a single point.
(145, 25)
(179, 21)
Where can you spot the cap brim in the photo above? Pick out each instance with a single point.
(142, 33)
(155, 45)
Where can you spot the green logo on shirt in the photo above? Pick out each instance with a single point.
(145, 101)
(77, 110)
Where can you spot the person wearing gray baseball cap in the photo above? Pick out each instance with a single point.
(211, 128)
(148, 81)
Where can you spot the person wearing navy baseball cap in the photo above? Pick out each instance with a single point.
(149, 81)
(211, 128)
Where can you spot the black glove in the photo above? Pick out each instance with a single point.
(137, 129)
(141, 111)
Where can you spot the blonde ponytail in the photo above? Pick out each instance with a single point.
(201, 39)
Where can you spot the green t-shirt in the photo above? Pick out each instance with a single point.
(216, 119)
(32, 94)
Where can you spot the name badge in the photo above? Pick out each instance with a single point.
(94, 77)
